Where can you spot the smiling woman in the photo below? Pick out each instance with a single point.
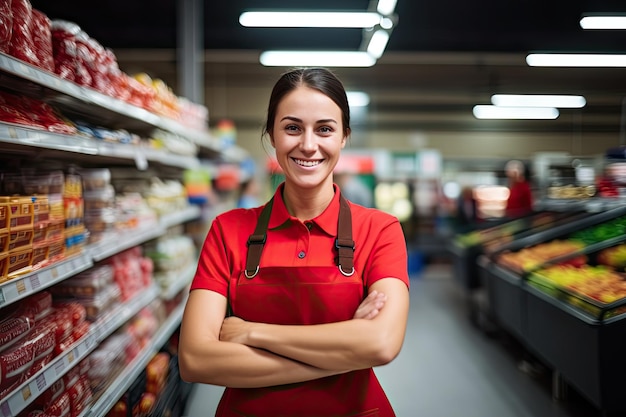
(292, 304)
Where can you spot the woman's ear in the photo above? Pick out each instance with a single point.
(344, 140)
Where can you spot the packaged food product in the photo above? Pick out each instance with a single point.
(6, 25)
(42, 40)
(85, 284)
(21, 45)
(96, 178)
(14, 362)
(13, 329)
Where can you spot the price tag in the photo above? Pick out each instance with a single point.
(59, 367)
(2, 298)
(54, 272)
(41, 382)
(5, 409)
(34, 282)
(26, 393)
(71, 357)
(20, 286)
(12, 133)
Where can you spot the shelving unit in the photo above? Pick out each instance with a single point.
(95, 107)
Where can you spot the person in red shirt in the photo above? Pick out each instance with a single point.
(294, 302)
(520, 201)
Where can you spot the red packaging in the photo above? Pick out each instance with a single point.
(60, 407)
(43, 339)
(74, 310)
(14, 329)
(42, 40)
(14, 362)
(21, 45)
(80, 330)
(6, 25)
(37, 306)
(51, 394)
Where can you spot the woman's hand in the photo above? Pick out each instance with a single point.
(234, 330)
(371, 306)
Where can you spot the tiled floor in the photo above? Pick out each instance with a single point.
(450, 368)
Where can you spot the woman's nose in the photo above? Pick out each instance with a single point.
(309, 141)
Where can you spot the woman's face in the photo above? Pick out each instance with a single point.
(308, 137)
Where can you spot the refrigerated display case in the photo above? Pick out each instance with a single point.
(562, 293)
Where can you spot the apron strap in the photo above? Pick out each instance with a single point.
(343, 243)
(256, 241)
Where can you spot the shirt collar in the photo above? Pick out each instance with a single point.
(327, 220)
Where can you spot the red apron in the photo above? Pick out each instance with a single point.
(303, 295)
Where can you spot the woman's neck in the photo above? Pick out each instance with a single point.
(306, 204)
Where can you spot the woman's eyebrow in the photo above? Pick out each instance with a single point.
(295, 119)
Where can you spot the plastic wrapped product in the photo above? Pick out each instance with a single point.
(6, 25)
(14, 362)
(42, 40)
(13, 329)
(21, 45)
(64, 48)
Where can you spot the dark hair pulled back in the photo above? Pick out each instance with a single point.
(320, 79)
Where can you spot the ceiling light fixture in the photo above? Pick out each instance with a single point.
(603, 22)
(386, 7)
(538, 100)
(317, 58)
(378, 43)
(576, 60)
(496, 112)
(310, 19)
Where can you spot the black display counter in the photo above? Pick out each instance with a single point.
(580, 338)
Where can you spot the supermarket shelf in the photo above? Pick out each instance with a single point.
(119, 242)
(125, 379)
(18, 288)
(92, 104)
(23, 136)
(185, 279)
(72, 90)
(26, 393)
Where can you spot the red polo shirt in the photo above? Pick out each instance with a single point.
(380, 247)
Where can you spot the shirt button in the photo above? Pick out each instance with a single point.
(309, 225)
(301, 254)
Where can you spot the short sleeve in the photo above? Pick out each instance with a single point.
(388, 257)
(213, 271)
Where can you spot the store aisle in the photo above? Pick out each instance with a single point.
(448, 367)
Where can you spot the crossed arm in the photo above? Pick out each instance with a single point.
(235, 353)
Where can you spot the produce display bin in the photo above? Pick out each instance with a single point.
(588, 353)
(467, 247)
(505, 296)
(554, 306)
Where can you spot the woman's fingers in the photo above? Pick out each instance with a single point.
(370, 306)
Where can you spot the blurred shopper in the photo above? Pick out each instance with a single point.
(249, 194)
(520, 201)
(294, 302)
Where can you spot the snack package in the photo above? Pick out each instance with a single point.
(6, 25)
(21, 45)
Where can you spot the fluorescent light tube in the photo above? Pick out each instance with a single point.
(538, 100)
(378, 43)
(317, 59)
(358, 99)
(576, 60)
(386, 7)
(496, 112)
(603, 22)
(310, 19)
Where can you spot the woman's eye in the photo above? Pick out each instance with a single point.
(325, 129)
(291, 128)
